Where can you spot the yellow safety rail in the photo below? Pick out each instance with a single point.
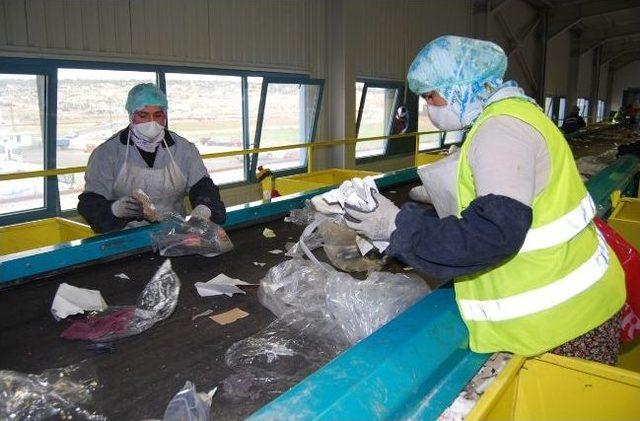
(309, 146)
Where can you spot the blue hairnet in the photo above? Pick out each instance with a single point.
(145, 94)
(451, 60)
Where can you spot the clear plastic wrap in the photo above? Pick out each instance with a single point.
(361, 307)
(339, 244)
(303, 216)
(356, 308)
(196, 236)
(188, 405)
(59, 393)
(155, 303)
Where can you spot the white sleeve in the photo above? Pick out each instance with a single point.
(505, 159)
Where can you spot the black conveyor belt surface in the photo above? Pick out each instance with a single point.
(138, 380)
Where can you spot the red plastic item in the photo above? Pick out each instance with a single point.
(629, 258)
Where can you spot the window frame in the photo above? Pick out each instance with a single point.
(49, 69)
(266, 81)
(399, 99)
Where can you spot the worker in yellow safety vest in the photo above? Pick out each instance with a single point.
(513, 220)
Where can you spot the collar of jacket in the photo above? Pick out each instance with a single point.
(124, 135)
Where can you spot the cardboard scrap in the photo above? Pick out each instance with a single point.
(268, 233)
(229, 316)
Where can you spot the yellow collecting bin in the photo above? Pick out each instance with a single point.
(314, 180)
(625, 219)
(424, 158)
(551, 387)
(45, 232)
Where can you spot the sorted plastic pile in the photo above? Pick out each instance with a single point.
(53, 394)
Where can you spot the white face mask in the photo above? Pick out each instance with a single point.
(150, 131)
(444, 118)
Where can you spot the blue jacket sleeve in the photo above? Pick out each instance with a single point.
(205, 192)
(490, 230)
(96, 210)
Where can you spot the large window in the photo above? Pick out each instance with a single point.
(562, 103)
(376, 104)
(22, 99)
(427, 141)
(600, 111)
(207, 110)
(90, 110)
(583, 105)
(286, 116)
(54, 113)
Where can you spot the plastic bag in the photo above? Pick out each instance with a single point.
(357, 308)
(629, 258)
(196, 236)
(53, 393)
(303, 216)
(188, 405)
(340, 246)
(155, 303)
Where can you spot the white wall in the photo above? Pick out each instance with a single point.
(626, 77)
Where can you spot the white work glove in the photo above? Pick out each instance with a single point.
(127, 207)
(419, 194)
(201, 212)
(376, 225)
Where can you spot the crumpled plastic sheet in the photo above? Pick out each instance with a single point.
(188, 405)
(321, 312)
(590, 165)
(53, 394)
(357, 308)
(303, 216)
(339, 244)
(155, 303)
(196, 236)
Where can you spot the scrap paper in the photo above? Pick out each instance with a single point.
(229, 316)
(204, 313)
(261, 264)
(121, 276)
(268, 233)
(221, 284)
(276, 251)
(73, 300)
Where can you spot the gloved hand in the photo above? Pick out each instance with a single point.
(419, 194)
(202, 212)
(376, 225)
(127, 207)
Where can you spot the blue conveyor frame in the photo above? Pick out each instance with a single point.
(413, 367)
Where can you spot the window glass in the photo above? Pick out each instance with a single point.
(21, 140)
(379, 105)
(427, 141)
(583, 105)
(90, 110)
(600, 110)
(254, 88)
(207, 110)
(548, 106)
(289, 114)
(561, 110)
(359, 88)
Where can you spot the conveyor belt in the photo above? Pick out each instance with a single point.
(139, 379)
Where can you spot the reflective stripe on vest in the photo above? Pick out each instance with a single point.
(543, 298)
(562, 229)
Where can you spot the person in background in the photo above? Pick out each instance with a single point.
(573, 122)
(146, 156)
(531, 271)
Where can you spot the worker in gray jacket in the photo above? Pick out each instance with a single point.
(146, 156)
